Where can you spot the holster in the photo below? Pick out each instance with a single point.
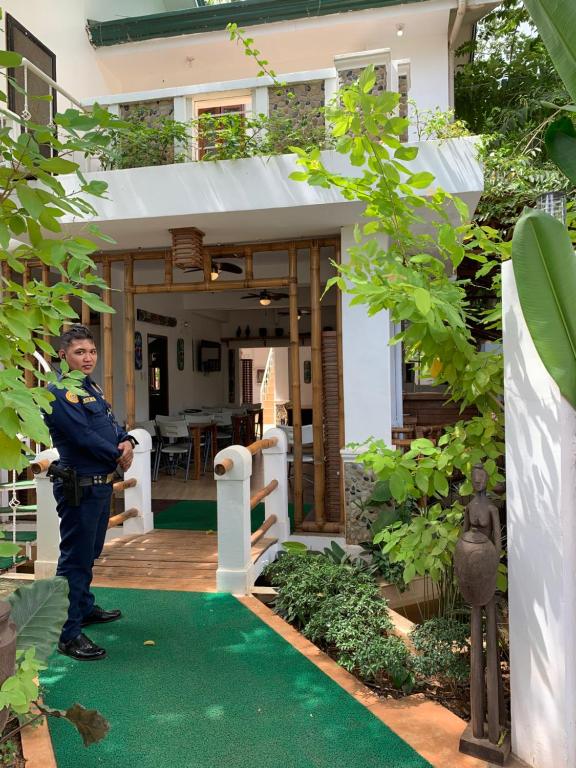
(70, 485)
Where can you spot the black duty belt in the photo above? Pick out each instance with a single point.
(84, 480)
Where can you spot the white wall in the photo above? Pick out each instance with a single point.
(366, 360)
(540, 489)
(290, 46)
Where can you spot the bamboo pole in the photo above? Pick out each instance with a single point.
(129, 342)
(248, 264)
(116, 520)
(46, 281)
(224, 466)
(260, 445)
(28, 374)
(341, 434)
(266, 525)
(168, 269)
(159, 254)
(107, 334)
(317, 389)
(207, 265)
(214, 286)
(85, 314)
(260, 495)
(295, 386)
(121, 485)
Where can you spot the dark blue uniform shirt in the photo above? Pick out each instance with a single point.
(84, 430)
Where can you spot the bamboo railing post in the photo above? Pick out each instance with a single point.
(130, 404)
(295, 385)
(317, 389)
(207, 264)
(107, 333)
(248, 264)
(168, 269)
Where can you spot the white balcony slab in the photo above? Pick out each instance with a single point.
(254, 198)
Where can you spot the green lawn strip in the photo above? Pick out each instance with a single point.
(219, 689)
(202, 516)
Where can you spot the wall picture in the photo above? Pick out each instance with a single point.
(180, 354)
(307, 371)
(259, 375)
(138, 350)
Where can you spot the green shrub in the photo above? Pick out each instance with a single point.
(443, 646)
(308, 586)
(356, 623)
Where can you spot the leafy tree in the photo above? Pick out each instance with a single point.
(33, 202)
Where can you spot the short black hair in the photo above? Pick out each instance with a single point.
(75, 332)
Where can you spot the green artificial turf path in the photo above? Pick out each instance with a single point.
(219, 689)
(202, 516)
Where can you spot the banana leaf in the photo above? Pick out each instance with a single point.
(556, 23)
(560, 141)
(545, 270)
(39, 610)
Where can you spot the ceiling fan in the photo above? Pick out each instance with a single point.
(266, 297)
(220, 266)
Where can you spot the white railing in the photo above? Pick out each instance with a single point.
(137, 519)
(238, 568)
(266, 376)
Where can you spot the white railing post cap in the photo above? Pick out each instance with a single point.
(282, 444)
(144, 440)
(241, 463)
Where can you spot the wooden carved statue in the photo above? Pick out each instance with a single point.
(476, 562)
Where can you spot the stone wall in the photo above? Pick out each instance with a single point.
(349, 76)
(306, 104)
(358, 486)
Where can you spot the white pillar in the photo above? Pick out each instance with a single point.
(366, 362)
(276, 468)
(47, 523)
(541, 521)
(235, 566)
(139, 497)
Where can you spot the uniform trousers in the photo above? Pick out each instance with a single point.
(82, 533)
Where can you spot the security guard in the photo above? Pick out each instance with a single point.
(91, 443)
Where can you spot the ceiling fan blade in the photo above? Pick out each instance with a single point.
(251, 296)
(278, 296)
(225, 267)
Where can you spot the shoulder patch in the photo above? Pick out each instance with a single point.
(71, 397)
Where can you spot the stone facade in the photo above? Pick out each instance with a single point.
(349, 76)
(306, 105)
(358, 486)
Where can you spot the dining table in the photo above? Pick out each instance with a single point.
(196, 430)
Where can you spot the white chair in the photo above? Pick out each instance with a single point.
(176, 444)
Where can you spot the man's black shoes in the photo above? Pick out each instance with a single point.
(100, 616)
(82, 648)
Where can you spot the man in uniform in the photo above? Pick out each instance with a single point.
(89, 441)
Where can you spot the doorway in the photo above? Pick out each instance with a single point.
(157, 376)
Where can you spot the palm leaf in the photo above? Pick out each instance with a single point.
(561, 145)
(545, 270)
(39, 610)
(556, 22)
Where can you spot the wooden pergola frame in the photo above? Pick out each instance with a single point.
(289, 281)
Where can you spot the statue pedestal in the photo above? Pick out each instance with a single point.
(483, 749)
